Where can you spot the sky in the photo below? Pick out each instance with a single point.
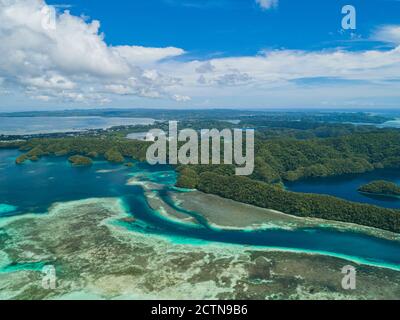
(62, 54)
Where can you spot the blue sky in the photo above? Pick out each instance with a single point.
(200, 53)
(234, 27)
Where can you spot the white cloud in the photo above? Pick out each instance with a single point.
(389, 33)
(181, 98)
(205, 67)
(118, 89)
(267, 4)
(73, 63)
(271, 68)
(42, 98)
(136, 55)
(73, 59)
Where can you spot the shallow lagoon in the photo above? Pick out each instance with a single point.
(34, 187)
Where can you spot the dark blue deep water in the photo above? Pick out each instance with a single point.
(33, 187)
(346, 187)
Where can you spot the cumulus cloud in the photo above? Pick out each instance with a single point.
(136, 55)
(267, 4)
(74, 63)
(389, 34)
(285, 66)
(71, 60)
(233, 78)
(205, 67)
(181, 98)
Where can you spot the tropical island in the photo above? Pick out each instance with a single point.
(285, 150)
(80, 161)
(381, 188)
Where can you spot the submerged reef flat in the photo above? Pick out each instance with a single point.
(227, 214)
(6, 208)
(165, 210)
(96, 257)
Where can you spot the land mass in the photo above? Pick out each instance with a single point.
(99, 252)
(286, 149)
(80, 161)
(382, 188)
(242, 216)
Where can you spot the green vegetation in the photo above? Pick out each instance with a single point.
(188, 178)
(381, 187)
(114, 150)
(114, 156)
(11, 144)
(80, 161)
(284, 151)
(92, 154)
(304, 205)
(21, 159)
(129, 164)
(33, 154)
(285, 159)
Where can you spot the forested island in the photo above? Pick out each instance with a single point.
(263, 195)
(80, 161)
(287, 159)
(285, 150)
(80, 149)
(381, 188)
(276, 159)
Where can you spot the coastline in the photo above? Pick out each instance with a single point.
(116, 254)
(393, 196)
(247, 217)
(136, 264)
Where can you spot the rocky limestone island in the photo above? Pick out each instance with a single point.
(381, 188)
(80, 161)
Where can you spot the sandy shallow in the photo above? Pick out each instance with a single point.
(6, 208)
(228, 214)
(166, 211)
(97, 257)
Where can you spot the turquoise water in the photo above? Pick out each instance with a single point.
(37, 266)
(6, 208)
(33, 187)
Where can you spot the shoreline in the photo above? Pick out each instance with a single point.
(391, 196)
(213, 209)
(136, 263)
